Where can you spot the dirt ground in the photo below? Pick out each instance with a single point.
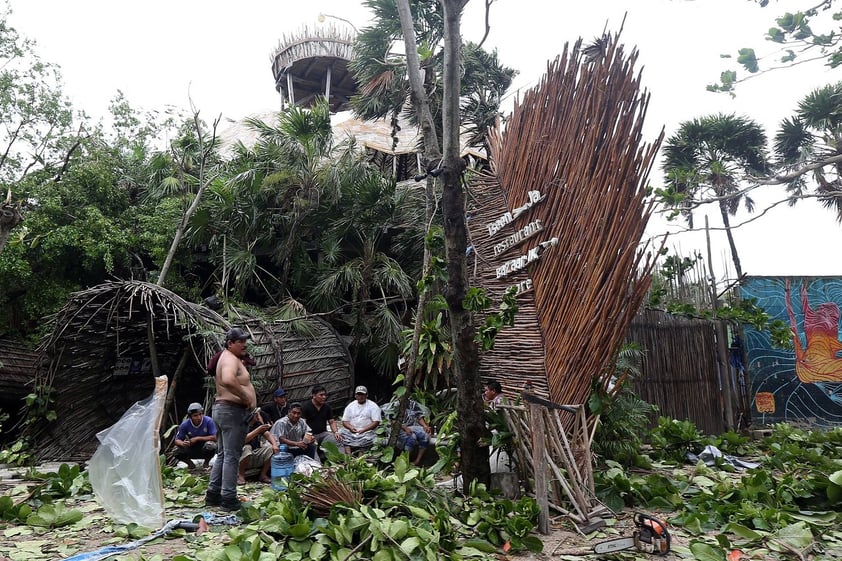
(95, 530)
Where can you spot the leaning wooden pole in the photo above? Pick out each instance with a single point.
(540, 467)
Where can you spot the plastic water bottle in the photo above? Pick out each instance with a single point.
(283, 464)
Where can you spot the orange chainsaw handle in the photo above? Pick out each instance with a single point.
(653, 533)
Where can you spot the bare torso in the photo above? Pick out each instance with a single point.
(233, 382)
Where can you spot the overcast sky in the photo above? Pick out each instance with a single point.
(218, 53)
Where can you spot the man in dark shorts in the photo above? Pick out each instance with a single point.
(319, 417)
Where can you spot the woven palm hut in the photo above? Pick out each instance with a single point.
(17, 374)
(109, 342)
(296, 355)
(561, 216)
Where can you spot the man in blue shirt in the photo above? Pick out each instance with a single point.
(196, 437)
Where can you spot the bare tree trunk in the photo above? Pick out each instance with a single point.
(470, 421)
(721, 344)
(726, 222)
(203, 182)
(432, 156)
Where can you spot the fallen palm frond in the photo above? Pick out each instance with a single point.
(324, 493)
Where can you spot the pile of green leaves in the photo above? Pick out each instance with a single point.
(789, 505)
(399, 514)
(44, 506)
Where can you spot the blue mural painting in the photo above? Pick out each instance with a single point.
(802, 385)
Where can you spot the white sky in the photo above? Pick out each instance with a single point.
(217, 52)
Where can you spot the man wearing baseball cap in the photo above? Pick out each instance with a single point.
(196, 437)
(359, 421)
(235, 402)
(275, 410)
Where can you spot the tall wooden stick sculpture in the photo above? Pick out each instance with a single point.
(561, 217)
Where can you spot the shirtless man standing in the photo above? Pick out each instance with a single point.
(235, 400)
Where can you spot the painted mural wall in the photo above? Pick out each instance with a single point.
(804, 384)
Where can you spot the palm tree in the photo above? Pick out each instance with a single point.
(256, 219)
(384, 87)
(363, 269)
(706, 161)
(811, 137)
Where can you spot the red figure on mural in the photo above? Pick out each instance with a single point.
(818, 362)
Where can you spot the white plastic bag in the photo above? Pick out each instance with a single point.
(125, 471)
(306, 465)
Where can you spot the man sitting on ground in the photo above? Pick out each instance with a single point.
(258, 450)
(196, 437)
(360, 421)
(275, 410)
(415, 432)
(294, 432)
(319, 416)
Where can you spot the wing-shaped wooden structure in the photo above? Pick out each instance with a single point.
(562, 216)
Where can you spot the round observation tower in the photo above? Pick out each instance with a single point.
(314, 62)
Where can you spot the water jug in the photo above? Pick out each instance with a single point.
(283, 464)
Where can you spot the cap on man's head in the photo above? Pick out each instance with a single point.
(361, 389)
(279, 392)
(235, 334)
(194, 408)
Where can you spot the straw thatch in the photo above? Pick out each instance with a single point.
(313, 61)
(575, 138)
(107, 344)
(17, 374)
(297, 356)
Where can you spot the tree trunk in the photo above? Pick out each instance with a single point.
(470, 420)
(727, 223)
(721, 344)
(432, 155)
(10, 217)
(185, 220)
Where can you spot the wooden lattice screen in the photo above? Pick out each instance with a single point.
(680, 371)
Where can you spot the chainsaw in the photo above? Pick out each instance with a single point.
(650, 536)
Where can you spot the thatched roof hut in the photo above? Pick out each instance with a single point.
(107, 344)
(17, 373)
(296, 355)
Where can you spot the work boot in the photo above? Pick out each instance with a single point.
(231, 505)
(213, 499)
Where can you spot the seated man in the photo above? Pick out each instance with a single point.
(275, 410)
(319, 416)
(294, 432)
(196, 437)
(257, 451)
(359, 421)
(493, 394)
(415, 432)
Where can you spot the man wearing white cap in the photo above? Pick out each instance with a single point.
(359, 421)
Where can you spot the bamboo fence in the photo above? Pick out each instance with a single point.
(680, 370)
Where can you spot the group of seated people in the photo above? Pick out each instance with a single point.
(303, 428)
